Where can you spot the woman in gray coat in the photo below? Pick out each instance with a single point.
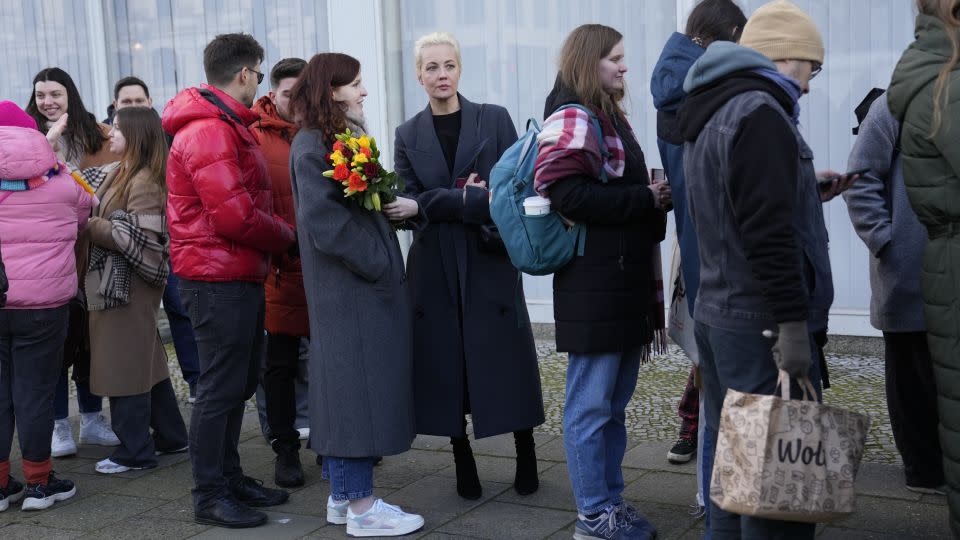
(361, 373)
(473, 347)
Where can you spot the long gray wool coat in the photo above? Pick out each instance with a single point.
(887, 224)
(452, 274)
(361, 368)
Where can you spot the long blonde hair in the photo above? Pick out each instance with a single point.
(581, 53)
(948, 11)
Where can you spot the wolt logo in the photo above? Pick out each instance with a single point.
(806, 454)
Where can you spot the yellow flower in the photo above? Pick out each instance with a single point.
(364, 142)
(337, 158)
(360, 158)
(353, 144)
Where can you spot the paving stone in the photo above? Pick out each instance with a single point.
(671, 521)
(502, 445)
(494, 469)
(907, 519)
(652, 455)
(178, 509)
(279, 525)
(503, 520)
(883, 480)
(399, 471)
(93, 483)
(24, 531)
(446, 536)
(147, 528)
(94, 512)
(436, 499)
(836, 533)
(431, 442)
(552, 450)
(555, 490)
(663, 487)
(167, 483)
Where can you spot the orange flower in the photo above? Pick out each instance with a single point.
(366, 152)
(356, 183)
(341, 172)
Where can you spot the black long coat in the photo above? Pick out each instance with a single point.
(469, 313)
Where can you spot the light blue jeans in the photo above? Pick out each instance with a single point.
(350, 478)
(599, 386)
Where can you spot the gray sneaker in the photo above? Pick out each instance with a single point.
(607, 525)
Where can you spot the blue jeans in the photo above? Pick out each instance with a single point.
(705, 467)
(599, 386)
(742, 361)
(87, 402)
(350, 478)
(182, 332)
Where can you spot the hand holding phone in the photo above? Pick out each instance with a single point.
(829, 179)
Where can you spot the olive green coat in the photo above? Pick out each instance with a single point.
(931, 170)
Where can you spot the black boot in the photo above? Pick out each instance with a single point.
(526, 480)
(288, 472)
(468, 482)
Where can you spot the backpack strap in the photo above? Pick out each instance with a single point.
(604, 151)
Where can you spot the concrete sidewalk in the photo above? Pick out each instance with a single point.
(157, 504)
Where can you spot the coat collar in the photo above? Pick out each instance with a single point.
(470, 144)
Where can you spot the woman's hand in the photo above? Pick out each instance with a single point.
(662, 195)
(55, 131)
(401, 209)
(840, 184)
(473, 181)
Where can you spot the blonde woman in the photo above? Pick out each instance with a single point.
(463, 286)
(923, 96)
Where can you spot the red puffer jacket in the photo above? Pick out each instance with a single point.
(219, 203)
(286, 301)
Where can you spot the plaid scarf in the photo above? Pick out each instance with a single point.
(143, 249)
(567, 146)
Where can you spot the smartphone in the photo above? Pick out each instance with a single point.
(824, 182)
(658, 175)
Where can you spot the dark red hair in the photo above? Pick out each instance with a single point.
(311, 98)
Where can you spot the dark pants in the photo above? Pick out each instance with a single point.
(283, 362)
(743, 361)
(31, 355)
(227, 321)
(689, 408)
(182, 331)
(76, 353)
(132, 417)
(912, 403)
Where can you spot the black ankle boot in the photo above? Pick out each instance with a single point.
(468, 482)
(288, 472)
(526, 480)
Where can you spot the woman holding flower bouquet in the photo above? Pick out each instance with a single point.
(361, 373)
(463, 286)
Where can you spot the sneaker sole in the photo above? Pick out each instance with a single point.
(98, 442)
(336, 520)
(5, 503)
(33, 503)
(232, 524)
(679, 458)
(383, 532)
(63, 453)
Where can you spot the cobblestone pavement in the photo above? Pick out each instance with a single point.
(156, 503)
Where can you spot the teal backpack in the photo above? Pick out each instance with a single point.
(537, 244)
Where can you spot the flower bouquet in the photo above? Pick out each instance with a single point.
(356, 166)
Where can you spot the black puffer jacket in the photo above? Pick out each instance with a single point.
(602, 301)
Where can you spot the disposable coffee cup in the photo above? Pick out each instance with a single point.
(536, 206)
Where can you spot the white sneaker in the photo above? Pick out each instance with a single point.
(337, 511)
(62, 442)
(98, 432)
(382, 519)
(304, 433)
(109, 467)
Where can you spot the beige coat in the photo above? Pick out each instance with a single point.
(126, 355)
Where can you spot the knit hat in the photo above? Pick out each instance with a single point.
(781, 31)
(12, 115)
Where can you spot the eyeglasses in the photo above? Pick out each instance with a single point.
(259, 75)
(817, 68)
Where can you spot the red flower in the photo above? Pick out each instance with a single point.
(356, 182)
(366, 152)
(338, 146)
(341, 172)
(347, 153)
(371, 170)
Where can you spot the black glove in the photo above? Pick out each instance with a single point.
(294, 250)
(791, 351)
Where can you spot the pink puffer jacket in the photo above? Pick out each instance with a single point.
(39, 227)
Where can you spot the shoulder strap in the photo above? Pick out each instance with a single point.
(213, 98)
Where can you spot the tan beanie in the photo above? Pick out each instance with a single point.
(779, 30)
